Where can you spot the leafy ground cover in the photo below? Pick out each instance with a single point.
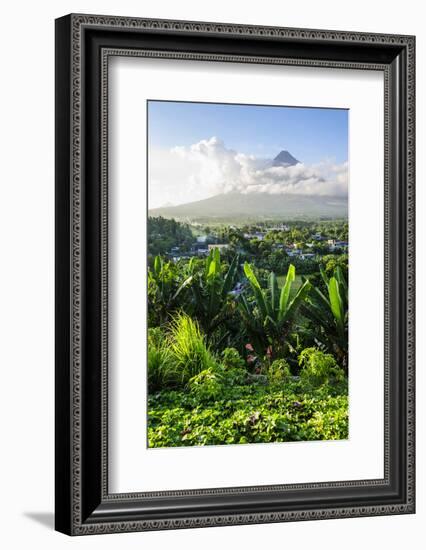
(254, 413)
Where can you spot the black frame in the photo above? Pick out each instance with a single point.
(83, 45)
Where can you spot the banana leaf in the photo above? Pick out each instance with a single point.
(187, 282)
(296, 301)
(273, 289)
(335, 301)
(257, 290)
(285, 291)
(230, 276)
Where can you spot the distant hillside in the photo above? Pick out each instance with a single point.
(256, 206)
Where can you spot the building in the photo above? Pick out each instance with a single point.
(337, 245)
(294, 252)
(250, 236)
(281, 227)
(199, 249)
(219, 246)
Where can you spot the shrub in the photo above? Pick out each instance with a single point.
(234, 377)
(231, 359)
(319, 368)
(278, 372)
(207, 385)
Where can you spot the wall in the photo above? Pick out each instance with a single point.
(26, 301)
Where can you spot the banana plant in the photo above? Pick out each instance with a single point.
(165, 288)
(269, 314)
(211, 288)
(328, 313)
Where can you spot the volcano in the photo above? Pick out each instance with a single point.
(284, 158)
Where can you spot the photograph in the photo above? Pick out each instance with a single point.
(247, 288)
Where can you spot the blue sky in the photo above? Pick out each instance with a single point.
(311, 135)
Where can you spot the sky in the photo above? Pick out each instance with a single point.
(197, 150)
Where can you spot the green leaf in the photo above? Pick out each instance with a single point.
(212, 269)
(209, 259)
(335, 299)
(157, 266)
(258, 293)
(273, 289)
(251, 276)
(216, 256)
(323, 275)
(322, 297)
(187, 282)
(285, 291)
(214, 299)
(296, 301)
(230, 277)
(343, 287)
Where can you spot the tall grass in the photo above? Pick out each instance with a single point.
(160, 364)
(177, 355)
(188, 348)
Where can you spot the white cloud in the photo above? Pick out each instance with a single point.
(207, 168)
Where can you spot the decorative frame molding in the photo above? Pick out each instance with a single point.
(84, 44)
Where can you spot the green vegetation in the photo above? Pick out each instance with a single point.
(210, 302)
(237, 353)
(220, 406)
(328, 312)
(164, 234)
(268, 318)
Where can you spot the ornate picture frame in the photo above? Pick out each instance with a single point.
(84, 44)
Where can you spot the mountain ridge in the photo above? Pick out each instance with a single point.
(238, 206)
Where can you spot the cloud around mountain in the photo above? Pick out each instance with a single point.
(209, 168)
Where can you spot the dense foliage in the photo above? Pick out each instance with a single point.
(223, 406)
(164, 234)
(239, 351)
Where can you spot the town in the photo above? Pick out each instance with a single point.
(301, 240)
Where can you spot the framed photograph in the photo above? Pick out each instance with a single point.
(234, 274)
